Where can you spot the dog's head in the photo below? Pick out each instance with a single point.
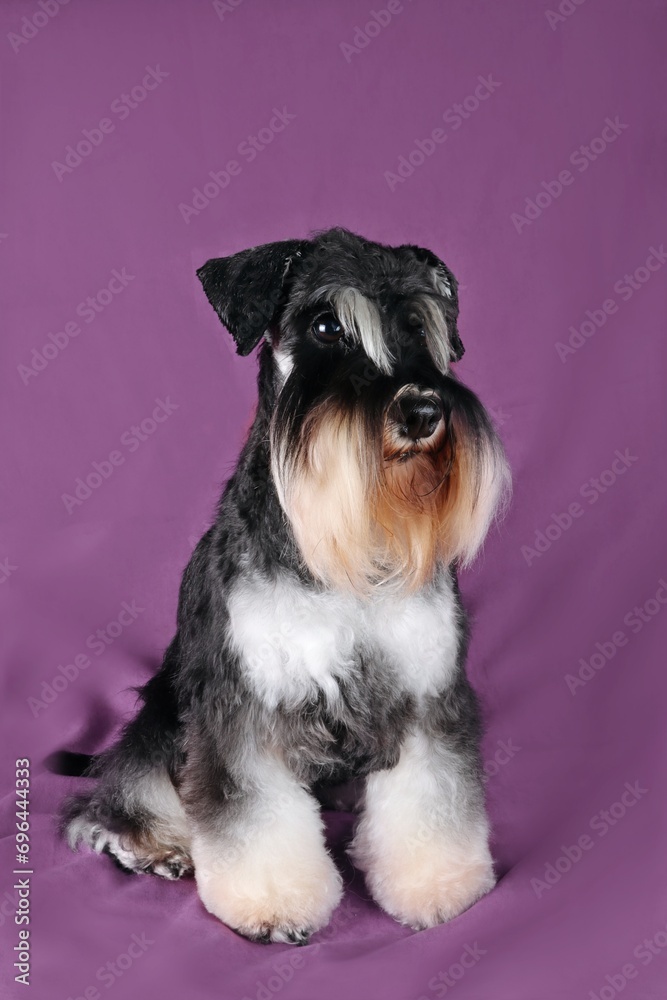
(384, 463)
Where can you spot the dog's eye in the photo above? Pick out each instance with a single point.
(416, 325)
(327, 329)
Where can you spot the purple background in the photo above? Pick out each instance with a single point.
(66, 574)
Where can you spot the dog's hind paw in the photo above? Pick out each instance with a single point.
(172, 867)
(166, 862)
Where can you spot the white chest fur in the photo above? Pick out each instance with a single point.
(294, 643)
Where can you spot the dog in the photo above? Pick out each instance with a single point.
(321, 637)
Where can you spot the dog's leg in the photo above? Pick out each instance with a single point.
(260, 860)
(134, 813)
(140, 824)
(423, 836)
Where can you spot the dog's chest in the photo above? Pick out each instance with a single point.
(298, 645)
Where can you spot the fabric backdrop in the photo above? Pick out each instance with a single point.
(525, 145)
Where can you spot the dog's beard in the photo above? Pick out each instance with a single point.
(371, 512)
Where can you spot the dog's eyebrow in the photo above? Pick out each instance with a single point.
(437, 332)
(361, 318)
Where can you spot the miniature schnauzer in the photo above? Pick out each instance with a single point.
(320, 636)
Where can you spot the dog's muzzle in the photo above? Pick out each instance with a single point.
(415, 416)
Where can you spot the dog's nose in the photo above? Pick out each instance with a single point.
(419, 416)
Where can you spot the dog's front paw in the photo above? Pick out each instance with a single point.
(269, 897)
(424, 884)
(427, 891)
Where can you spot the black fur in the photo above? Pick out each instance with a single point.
(246, 290)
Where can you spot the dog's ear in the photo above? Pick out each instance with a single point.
(447, 286)
(247, 289)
